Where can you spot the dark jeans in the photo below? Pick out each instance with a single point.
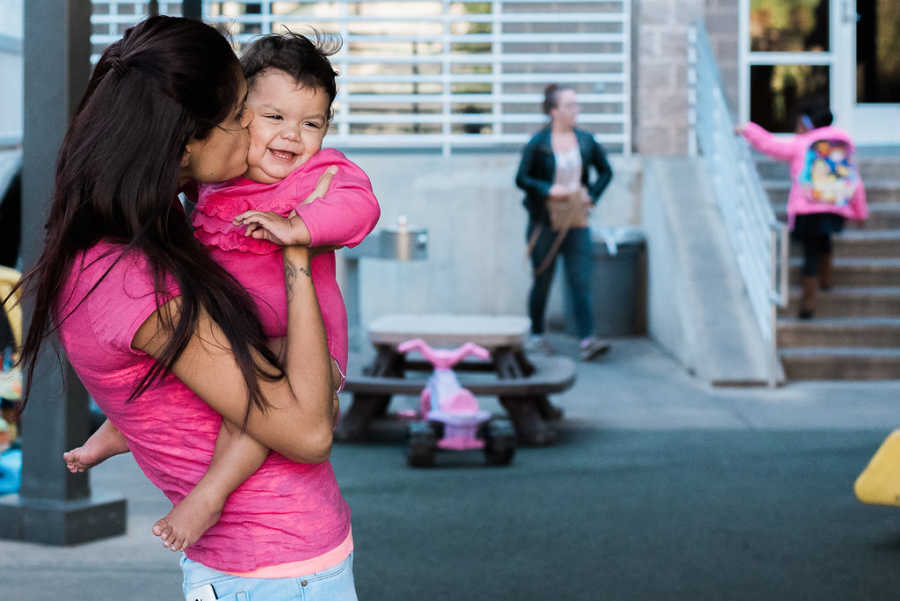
(577, 257)
(814, 232)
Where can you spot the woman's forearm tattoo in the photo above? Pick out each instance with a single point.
(290, 276)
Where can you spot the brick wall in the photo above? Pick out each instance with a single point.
(661, 115)
(722, 24)
(660, 87)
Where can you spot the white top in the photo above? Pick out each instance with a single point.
(568, 168)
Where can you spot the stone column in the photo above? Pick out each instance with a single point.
(53, 506)
(722, 25)
(661, 115)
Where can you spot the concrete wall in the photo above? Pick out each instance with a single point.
(476, 225)
(698, 309)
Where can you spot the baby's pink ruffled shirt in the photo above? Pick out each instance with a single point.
(343, 217)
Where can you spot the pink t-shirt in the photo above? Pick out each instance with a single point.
(343, 217)
(285, 512)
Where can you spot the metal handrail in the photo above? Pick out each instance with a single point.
(759, 240)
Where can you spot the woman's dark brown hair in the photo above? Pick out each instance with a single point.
(167, 81)
(550, 94)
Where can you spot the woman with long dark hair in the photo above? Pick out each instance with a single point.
(165, 340)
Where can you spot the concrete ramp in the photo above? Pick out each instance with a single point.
(698, 309)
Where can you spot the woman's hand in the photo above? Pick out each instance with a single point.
(322, 186)
(586, 198)
(557, 191)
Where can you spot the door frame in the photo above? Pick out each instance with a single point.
(747, 59)
(865, 122)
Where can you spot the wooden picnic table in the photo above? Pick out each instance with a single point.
(520, 382)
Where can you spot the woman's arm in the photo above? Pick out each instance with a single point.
(524, 180)
(781, 149)
(604, 171)
(299, 422)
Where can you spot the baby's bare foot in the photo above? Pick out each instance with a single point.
(188, 520)
(83, 458)
(102, 444)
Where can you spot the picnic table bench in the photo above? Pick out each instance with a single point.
(521, 383)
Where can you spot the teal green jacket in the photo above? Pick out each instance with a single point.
(538, 168)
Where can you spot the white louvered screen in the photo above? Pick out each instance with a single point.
(441, 73)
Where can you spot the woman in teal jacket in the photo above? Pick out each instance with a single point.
(557, 162)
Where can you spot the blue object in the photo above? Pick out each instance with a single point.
(10, 471)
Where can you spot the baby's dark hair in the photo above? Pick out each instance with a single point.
(818, 113)
(550, 94)
(305, 58)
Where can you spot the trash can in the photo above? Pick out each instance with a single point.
(618, 283)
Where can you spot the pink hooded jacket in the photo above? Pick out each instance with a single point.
(794, 149)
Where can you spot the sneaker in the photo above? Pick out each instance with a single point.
(591, 349)
(539, 344)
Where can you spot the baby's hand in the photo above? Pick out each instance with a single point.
(264, 225)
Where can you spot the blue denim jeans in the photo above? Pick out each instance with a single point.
(334, 584)
(577, 254)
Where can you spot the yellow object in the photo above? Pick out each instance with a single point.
(879, 483)
(8, 279)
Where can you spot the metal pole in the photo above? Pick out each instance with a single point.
(53, 506)
(353, 300)
(192, 9)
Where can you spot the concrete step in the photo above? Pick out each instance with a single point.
(850, 301)
(882, 216)
(841, 363)
(856, 271)
(862, 243)
(877, 191)
(872, 332)
(870, 168)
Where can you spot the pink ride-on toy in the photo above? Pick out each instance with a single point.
(449, 415)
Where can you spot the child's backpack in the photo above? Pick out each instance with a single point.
(829, 175)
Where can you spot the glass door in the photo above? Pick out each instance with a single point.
(869, 67)
(787, 56)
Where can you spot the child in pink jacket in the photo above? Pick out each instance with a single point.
(825, 190)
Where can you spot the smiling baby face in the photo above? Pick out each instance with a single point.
(289, 123)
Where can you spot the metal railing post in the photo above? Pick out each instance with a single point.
(757, 238)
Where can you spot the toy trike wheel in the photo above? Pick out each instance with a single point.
(437, 429)
(499, 442)
(422, 445)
